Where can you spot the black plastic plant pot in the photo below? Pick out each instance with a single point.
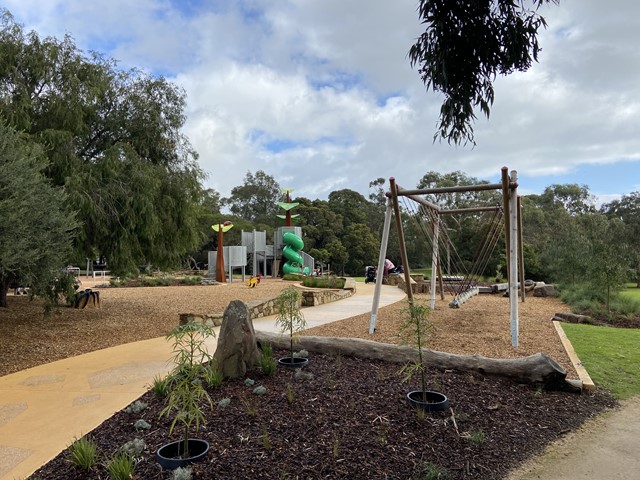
(170, 456)
(435, 401)
(293, 362)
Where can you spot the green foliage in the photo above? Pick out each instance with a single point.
(266, 440)
(136, 407)
(134, 447)
(255, 200)
(36, 224)
(431, 471)
(289, 317)
(268, 364)
(121, 466)
(589, 299)
(182, 473)
(464, 47)
(186, 391)
(259, 390)
(477, 438)
(324, 282)
(610, 355)
(142, 424)
(84, 453)
(293, 277)
(160, 386)
(224, 403)
(413, 331)
(213, 376)
(113, 139)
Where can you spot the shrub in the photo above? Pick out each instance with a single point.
(160, 386)
(136, 407)
(324, 282)
(267, 362)
(142, 425)
(294, 277)
(431, 471)
(213, 377)
(134, 447)
(84, 453)
(181, 473)
(120, 466)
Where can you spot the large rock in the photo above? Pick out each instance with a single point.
(543, 290)
(237, 349)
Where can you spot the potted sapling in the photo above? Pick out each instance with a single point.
(414, 331)
(291, 321)
(186, 395)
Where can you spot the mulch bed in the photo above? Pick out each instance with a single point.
(351, 421)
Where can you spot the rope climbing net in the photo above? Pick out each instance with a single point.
(457, 276)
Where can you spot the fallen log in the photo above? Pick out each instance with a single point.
(537, 369)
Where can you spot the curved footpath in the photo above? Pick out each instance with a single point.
(42, 409)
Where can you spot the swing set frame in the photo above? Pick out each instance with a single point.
(511, 205)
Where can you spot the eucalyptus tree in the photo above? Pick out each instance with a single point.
(627, 210)
(256, 200)
(465, 46)
(113, 139)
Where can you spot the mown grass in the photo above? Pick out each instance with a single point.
(610, 355)
(631, 291)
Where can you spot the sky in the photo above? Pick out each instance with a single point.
(321, 96)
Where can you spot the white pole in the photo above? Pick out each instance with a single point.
(513, 258)
(434, 261)
(379, 273)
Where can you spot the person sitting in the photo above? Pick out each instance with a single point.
(388, 267)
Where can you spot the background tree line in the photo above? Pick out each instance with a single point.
(93, 163)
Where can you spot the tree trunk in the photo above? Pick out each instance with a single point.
(4, 288)
(538, 369)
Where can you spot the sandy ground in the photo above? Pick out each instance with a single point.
(481, 326)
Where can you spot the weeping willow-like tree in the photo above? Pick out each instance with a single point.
(113, 141)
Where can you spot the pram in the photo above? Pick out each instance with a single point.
(370, 274)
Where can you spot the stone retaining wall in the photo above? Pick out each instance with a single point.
(265, 307)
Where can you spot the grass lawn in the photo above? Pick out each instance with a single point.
(610, 355)
(631, 291)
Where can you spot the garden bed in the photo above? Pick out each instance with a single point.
(351, 421)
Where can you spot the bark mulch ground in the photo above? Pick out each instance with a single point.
(350, 420)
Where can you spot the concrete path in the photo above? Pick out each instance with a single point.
(607, 447)
(44, 408)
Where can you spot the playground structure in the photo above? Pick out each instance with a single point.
(287, 244)
(507, 215)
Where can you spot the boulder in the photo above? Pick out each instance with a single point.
(544, 290)
(237, 350)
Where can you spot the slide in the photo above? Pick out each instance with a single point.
(292, 245)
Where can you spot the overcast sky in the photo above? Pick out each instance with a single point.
(320, 94)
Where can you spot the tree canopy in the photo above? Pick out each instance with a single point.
(465, 45)
(113, 140)
(36, 226)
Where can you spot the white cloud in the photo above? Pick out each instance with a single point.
(321, 95)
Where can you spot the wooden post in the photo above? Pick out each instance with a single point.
(505, 206)
(513, 258)
(440, 282)
(381, 258)
(523, 294)
(403, 247)
(434, 261)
